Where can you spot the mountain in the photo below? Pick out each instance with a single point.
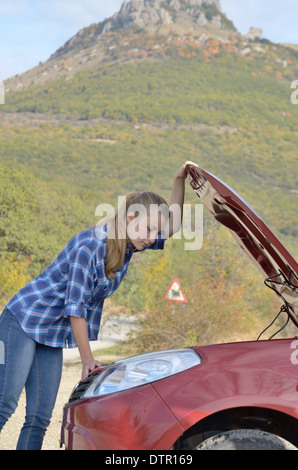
(111, 39)
(171, 78)
(157, 17)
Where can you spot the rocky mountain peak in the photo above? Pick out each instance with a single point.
(153, 15)
(157, 16)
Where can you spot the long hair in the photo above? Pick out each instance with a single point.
(116, 227)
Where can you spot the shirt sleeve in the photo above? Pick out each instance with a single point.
(80, 283)
(159, 243)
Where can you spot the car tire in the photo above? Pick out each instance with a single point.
(245, 439)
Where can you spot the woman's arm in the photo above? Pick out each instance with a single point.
(80, 332)
(177, 199)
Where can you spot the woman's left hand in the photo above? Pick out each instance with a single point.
(88, 367)
(182, 172)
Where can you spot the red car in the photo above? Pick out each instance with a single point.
(227, 396)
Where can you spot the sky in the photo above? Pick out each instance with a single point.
(32, 30)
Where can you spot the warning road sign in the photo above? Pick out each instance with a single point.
(175, 293)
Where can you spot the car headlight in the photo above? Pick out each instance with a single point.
(140, 370)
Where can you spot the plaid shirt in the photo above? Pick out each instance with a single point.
(75, 284)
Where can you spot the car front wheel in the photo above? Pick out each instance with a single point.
(245, 439)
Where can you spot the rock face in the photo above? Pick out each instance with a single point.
(144, 14)
(254, 33)
(150, 14)
(157, 16)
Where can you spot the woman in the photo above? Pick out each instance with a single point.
(62, 306)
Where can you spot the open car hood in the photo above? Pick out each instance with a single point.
(253, 236)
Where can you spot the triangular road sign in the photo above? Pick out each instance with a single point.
(175, 293)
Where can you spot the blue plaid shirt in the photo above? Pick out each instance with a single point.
(75, 284)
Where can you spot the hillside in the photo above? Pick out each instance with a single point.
(120, 107)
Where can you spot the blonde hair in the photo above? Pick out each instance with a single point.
(116, 227)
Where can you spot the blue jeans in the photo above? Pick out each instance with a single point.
(26, 363)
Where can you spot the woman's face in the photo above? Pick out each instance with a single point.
(143, 230)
